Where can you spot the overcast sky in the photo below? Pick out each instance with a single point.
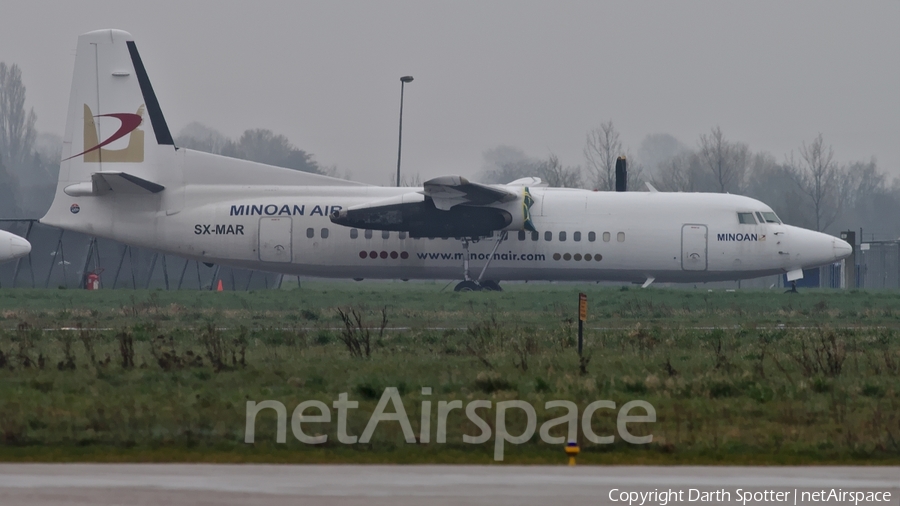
(536, 75)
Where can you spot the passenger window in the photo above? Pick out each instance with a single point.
(368, 234)
(592, 236)
(385, 234)
(354, 233)
(562, 236)
(746, 219)
(521, 235)
(620, 237)
(310, 233)
(402, 235)
(576, 236)
(605, 236)
(548, 236)
(535, 236)
(324, 233)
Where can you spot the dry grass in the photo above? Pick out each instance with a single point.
(170, 382)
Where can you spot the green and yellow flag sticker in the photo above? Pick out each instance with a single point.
(527, 202)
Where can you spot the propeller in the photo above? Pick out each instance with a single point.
(621, 174)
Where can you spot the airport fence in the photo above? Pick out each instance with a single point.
(879, 264)
(65, 259)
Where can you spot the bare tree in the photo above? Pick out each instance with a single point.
(773, 183)
(861, 182)
(601, 149)
(635, 178)
(867, 197)
(656, 149)
(817, 175)
(16, 133)
(513, 170)
(332, 171)
(263, 146)
(16, 126)
(504, 164)
(7, 191)
(415, 181)
(680, 173)
(727, 161)
(37, 178)
(554, 174)
(203, 138)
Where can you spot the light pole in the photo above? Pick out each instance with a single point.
(403, 81)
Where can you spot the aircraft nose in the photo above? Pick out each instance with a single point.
(842, 249)
(813, 249)
(18, 247)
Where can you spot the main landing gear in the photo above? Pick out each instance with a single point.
(467, 286)
(477, 285)
(793, 288)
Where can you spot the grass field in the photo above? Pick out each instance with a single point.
(735, 377)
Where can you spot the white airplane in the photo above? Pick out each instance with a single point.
(122, 177)
(12, 246)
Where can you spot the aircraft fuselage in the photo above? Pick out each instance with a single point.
(122, 177)
(581, 235)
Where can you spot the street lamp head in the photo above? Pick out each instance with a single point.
(406, 79)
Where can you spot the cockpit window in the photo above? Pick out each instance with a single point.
(746, 219)
(771, 218)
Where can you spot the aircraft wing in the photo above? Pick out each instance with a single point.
(446, 206)
(449, 191)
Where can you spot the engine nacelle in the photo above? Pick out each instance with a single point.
(520, 212)
(417, 215)
(423, 219)
(12, 246)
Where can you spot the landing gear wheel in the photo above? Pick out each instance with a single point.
(467, 286)
(491, 286)
(477, 285)
(793, 288)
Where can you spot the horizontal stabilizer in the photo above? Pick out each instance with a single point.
(119, 182)
(122, 182)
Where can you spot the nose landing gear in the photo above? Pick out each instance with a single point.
(793, 288)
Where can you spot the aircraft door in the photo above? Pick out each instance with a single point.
(693, 247)
(275, 239)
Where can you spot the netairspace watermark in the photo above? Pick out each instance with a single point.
(744, 497)
(501, 436)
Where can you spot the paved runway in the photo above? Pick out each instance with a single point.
(328, 485)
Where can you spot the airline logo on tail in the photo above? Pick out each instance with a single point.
(94, 151)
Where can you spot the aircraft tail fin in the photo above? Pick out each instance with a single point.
(116, 138)
(111, 101)
(117, 142)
